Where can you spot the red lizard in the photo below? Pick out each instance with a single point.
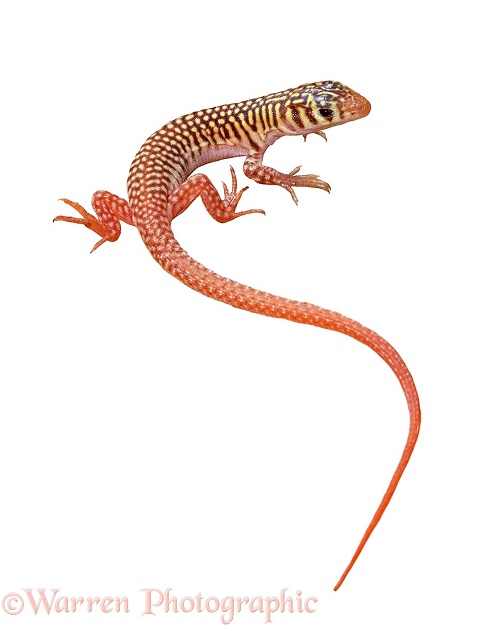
(160, 188)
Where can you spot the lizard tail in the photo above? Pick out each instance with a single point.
(177, 262)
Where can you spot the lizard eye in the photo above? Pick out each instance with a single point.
(326, 113)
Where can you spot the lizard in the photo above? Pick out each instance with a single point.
(161, 186)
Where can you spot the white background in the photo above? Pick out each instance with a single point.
(151, 437)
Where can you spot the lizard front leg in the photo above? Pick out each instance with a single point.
(254, 169)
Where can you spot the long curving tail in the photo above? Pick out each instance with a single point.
(155, 228)
(193, 274)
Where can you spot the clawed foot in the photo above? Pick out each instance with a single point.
(232, 198)
(303, 180)
(321, 133)
(109, 230)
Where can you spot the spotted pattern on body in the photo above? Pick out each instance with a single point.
(161, 186)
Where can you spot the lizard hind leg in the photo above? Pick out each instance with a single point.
(221, 209)
(110, 210)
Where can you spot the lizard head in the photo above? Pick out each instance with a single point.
(314, 107)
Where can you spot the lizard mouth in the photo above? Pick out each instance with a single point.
(356, 106)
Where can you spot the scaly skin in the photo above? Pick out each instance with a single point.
(160, 188)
